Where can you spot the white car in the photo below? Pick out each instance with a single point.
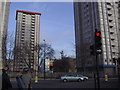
(73, 77)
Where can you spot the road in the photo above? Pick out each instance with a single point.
(111, 83)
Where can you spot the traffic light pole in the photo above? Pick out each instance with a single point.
(97, 72)
(97, 45)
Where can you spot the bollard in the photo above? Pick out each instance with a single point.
(36, 79)
(106, 77)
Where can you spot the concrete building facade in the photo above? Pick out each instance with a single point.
(4, 14)
(104, 17)
(26, 40)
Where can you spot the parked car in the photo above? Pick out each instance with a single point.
(73, 77)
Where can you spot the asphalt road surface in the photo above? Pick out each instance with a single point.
(111, 83)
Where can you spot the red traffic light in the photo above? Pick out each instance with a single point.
(51, 64)
(97, 33)
(5, 68)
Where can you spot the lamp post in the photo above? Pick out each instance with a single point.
(44, 59)
(37, 65)
(36, 76)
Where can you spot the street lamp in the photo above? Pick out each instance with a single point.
(37, 65)
(44, 59)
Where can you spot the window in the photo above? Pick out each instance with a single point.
(111, 32)
(105, 60)
(109, 14)
(23, 26)
(23, 20)
(113, 45)
(23, 17)
(22, 38)
(113, 53)
(32, 15)
(108, 3)
(112, 39)
(110, 26)
(110, 20)
(108, 8)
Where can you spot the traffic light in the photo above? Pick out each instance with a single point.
(6, 67)
(92, 50)
(114, 60)
(51, 67)
(98, 43)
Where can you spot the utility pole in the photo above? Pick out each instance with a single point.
(37, 65)
(44, 59)
(97, 73)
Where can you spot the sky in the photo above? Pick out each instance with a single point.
(56, 24)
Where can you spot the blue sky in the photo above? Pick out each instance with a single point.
(56, 23)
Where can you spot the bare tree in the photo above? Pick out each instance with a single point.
(4, 38)
(9, 48)
(26, 54)
(49, 51)
(45, 50)
(23, 54)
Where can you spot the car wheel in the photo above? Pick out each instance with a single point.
(84, 79)
(64, 80)
(79, 80)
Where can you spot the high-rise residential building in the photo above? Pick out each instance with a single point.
(4, 14)
(26, 40)
(104, 17)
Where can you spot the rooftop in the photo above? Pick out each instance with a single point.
(28, 12)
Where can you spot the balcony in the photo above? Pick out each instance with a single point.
(33, 21)
(110, 12)
(32, 32)
(32, 15)
(109, 8)
(33, 18)
(23, 17)
(23, 26)
(23, 22)
(32, 37)
(32, 40)
(32, 26)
